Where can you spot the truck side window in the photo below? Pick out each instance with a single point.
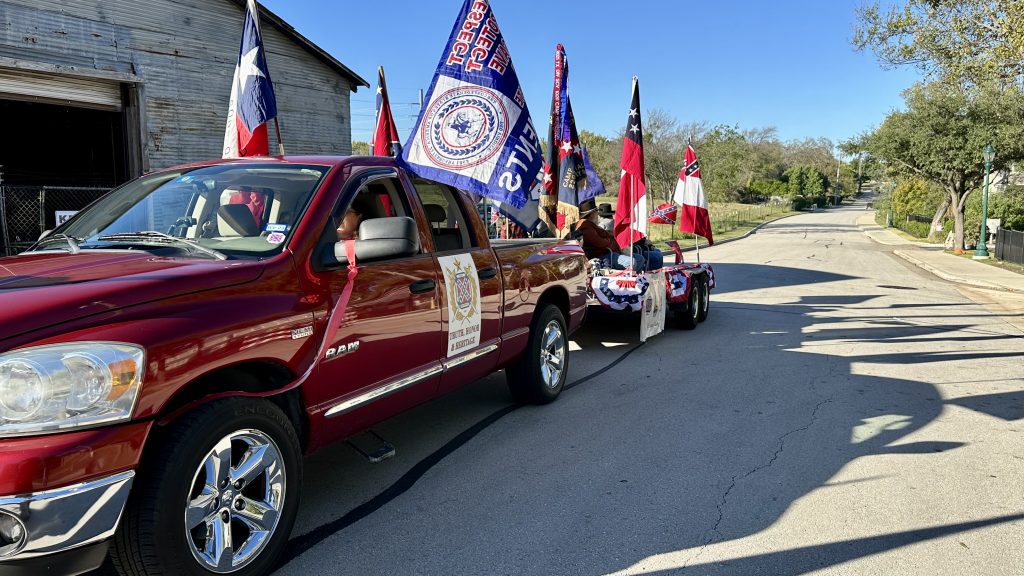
(448, 224)
(380, 198)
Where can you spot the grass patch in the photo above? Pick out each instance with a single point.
(728, 220)
(1002, 264)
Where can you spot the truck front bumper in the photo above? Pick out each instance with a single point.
(61, 531)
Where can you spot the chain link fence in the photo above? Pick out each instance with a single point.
(27, 211)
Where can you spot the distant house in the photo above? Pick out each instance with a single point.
(98, 92)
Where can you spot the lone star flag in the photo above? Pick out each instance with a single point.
(664, 214)
(252, 95)
(565, 176)
(475, 132)
(385, 135)
(631, 209)
(693, 212)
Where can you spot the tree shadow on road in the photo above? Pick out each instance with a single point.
(702, 438)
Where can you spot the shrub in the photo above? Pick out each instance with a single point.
(1007, 205)
(916, 229)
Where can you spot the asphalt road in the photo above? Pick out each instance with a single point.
(840, 412)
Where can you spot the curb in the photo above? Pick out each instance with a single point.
(950, 277)
(751, 232)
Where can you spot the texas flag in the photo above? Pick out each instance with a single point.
(252, 95)
(693, 211)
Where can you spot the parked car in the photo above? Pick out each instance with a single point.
(170, 353)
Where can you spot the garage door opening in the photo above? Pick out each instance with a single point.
(54, 145)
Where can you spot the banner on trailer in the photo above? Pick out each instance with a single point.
(652, 316)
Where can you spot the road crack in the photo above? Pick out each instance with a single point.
(715, 534)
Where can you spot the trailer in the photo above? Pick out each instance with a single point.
(684, 301)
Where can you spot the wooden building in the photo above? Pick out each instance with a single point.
(96, 92)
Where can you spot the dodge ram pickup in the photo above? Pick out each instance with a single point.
(169, 354)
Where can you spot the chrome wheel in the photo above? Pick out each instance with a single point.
(552, 354)
(236, 501)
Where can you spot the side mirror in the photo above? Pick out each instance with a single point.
(44, 235)
(379, 239)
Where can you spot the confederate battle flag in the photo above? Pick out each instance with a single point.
(385, 135)
(693, 211)
(664, 214)
(253, 104)
(631, 210)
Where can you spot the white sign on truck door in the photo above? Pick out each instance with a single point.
(462, 288)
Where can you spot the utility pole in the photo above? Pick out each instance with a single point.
(839, 165)
(860, 171)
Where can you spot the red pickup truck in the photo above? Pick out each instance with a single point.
(169, 354)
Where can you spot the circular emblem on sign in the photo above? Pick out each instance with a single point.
(464, 127)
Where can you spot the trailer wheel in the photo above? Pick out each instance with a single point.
(687, 316)
(705, 299)
(538, 376)
(217, 493)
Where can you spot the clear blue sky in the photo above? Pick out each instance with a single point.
(786, 63)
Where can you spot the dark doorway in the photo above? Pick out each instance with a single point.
(52, 145)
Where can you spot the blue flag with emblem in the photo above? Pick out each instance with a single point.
(474, 132)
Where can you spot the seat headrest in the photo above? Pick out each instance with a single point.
(436, 213)
(239, 218)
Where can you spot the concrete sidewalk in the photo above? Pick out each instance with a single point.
(932, 258)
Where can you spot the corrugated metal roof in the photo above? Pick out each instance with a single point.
(279, 23)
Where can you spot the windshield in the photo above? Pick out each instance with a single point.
(242, 210)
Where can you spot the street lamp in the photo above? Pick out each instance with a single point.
(982, 252)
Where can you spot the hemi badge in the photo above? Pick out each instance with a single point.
(304, 332)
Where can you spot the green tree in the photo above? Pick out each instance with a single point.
(941, 134)
(664, 143)
(724, 154)
(1006, 205)
(915, 196)
(360, 148)
(964, 40)
(814, 184)
(604, 155)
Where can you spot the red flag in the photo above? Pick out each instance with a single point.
(693, 213)
(385, 135)
(664, 214)
(631, 209)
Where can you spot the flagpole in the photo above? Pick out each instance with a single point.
(280, 143)
(632, 220)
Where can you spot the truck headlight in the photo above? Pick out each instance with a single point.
(63, 386)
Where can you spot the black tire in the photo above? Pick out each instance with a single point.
(153, 539)
(705, 299)
(531, 379)
(687, 314)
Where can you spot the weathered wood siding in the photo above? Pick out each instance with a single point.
(184, 51)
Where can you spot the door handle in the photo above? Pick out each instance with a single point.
(487, 273)
(422, 286)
